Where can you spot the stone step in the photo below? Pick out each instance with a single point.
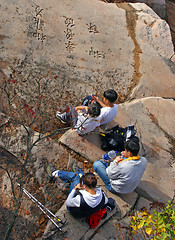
(74, 228)
(83, 146)
(125, 202)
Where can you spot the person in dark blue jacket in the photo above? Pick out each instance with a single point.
(84, 198)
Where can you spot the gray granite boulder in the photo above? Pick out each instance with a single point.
(76, 49)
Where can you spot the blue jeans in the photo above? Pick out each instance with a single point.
(100, 169)
(86, 100)
(72, 177)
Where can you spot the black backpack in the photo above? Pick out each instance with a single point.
(114, 138)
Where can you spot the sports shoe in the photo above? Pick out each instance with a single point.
(50, 169)
(59, 116)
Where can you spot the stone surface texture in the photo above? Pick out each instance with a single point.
(170, 8)
(158, 6)
(156, 132)
(73, 44)
(53, 54)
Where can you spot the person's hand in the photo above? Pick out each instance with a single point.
(96, 98)
(123, 153)
(78, 186)
(118, 159)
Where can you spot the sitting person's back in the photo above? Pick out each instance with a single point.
(87, 120)
(84, 118)
(86, 199)
(126, 175)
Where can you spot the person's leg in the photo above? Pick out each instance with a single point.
(100, 169)
(78, 174)
(72, 177)
(74, 116)
(66, 176)
(86, 100)
(64, 117)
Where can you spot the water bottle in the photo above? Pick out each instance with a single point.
(109, 155)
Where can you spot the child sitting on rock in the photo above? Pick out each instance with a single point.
(83, 118)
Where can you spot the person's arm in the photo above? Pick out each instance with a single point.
(100, 102)
(74, 201)
(118, 159)
(113, 170)
(106, 198)
(79, 108)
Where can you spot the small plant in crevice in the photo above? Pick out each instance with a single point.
(157, 225)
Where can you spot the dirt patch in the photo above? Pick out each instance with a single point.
(131, 18)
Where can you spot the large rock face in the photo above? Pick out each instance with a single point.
(170, 6)
(87, 47)
(155, 127)
(60, 51)
(159, 6)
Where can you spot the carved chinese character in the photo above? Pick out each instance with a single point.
(39, 23)
(92, 28)
(69, 46)
(91, 52)
(96, 54)
(38, 11)
(69, 34)
(69, 22)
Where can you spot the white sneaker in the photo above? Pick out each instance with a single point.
(59, 116)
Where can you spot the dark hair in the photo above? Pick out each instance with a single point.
(132, 146)
(110, 95)
(89, 179)
(94, 110)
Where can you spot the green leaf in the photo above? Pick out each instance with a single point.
(165, 236)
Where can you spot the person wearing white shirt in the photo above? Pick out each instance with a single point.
(109, 109)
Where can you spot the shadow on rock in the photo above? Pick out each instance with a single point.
(149, 191)
(149, 153)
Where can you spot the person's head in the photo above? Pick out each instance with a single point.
(89, 180)
(132, 146)
(94, 110)
(110, 95)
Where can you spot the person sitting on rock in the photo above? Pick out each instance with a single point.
(124, 173)
(83, 118)
(84, 198)
(108, 109)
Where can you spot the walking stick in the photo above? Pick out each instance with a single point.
(45, 210)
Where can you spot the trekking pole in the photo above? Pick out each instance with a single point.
(43, 209)
(53, 215)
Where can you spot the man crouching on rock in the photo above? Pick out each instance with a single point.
(124, 173)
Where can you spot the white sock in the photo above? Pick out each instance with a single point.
(55, 173)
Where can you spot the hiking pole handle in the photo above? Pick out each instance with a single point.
(50, 218)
